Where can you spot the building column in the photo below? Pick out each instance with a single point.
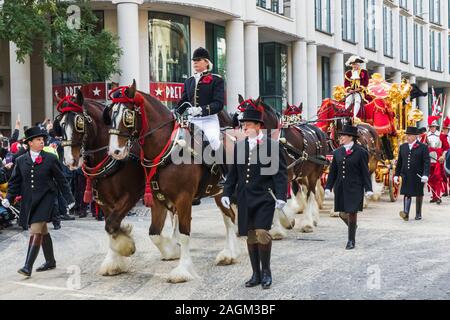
(20, 80)
(48, 92)
(312, 80)
(144, 50)
(299, 72)
(412, 80)
(337, 69)
(423, 103)
(397, 78)
(234, 34)
(381, 70)
(128, 32)
(251, 61)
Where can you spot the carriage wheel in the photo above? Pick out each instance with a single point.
(394, 189)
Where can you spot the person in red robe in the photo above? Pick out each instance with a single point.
(356, 81)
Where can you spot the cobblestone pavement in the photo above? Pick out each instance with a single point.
(393, 260)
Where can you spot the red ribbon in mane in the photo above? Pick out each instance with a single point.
(292, 110)
(72, 106)
(137, 101)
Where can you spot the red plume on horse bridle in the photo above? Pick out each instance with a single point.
(138, 99)
(242, 106)
(293, 110)
(72, 106)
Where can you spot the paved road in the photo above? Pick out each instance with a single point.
(393, 260)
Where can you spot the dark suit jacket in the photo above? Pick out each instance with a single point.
(255, 205)
(207, 94)
(349, 177)
(410, 164)
(38, 185)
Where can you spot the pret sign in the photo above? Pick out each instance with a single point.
(166, 91)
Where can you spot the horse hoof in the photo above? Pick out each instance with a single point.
(277, 234)
(307, 229)
(180, 275)
(113, 265)
(225, 258)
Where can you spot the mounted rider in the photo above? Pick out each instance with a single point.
(355, 82)
(203, 97)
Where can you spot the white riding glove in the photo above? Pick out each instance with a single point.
(225, 202)
(280, 204)
(369, 194)
(195, 111)
(396, 181)
(327, 194)
(424, 179)
(5, 203)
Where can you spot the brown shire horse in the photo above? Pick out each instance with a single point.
(139, 116)
(85, 141)
(305, 149)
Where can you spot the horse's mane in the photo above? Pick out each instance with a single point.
(270, 110)
(154, 101)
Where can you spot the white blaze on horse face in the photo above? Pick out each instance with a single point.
(115, 150)
(69, 160)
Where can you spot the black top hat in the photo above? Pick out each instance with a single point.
(201, 53)
(349, 131)
(251, 114)
(34, 132)
(413, 131)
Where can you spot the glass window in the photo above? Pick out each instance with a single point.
(403, 39)
(323, 15)
(369, 24)
(435, 50)
(435, 11)
(170, 53)
(326, 82)
(216, 45)
(403, 4)
(273, 74)
(418, 45)
(348, 20)
(418, 8)
(282, 7)
(387, 31)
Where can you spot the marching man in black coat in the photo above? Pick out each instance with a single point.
(259, 166)
(37, 177)
(413, 165)
(349, 176)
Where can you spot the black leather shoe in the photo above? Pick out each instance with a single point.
(196, 202)
(67, 217)
(83, 214)
(418, 217)
(254, 281)
(56, 226)
(433, 200)
(47, 247)
(438, 201)
(266, 280)
(350, 245)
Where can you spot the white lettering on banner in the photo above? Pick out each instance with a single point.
(173, 92)
(70, 91)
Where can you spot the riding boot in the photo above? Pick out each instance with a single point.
(419, 201)
(33, 251)
(344, 217)
(264, 255)
(254, 260)
(406, 208)
(351, 232)
(47, 247)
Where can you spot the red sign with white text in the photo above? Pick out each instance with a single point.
(94, 90)
(166, 91)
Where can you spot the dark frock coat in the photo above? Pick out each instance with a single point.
(410, 164)
(207, 94)
(38, 185)
(247, 177)
(349, 177)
